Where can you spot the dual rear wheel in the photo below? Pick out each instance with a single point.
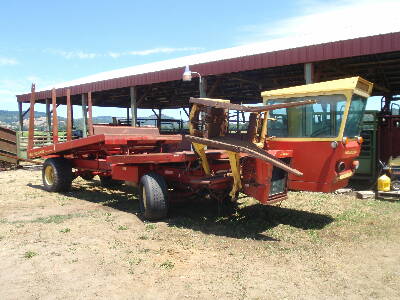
(153, 197)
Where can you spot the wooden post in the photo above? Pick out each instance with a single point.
(69, 116)
(48, 119)
(133, 94)
(90, 119)
(55, 120)
(20, 117)
(31, 129)
(84, 115)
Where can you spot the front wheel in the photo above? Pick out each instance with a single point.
(57, 174)
(153, 197)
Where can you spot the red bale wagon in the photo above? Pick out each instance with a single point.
(145, 158)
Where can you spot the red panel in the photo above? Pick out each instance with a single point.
(322, 175)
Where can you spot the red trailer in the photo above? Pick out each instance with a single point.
(147, 159)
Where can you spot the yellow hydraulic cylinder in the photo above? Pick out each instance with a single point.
(234, 160)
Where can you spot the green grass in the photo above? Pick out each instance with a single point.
(57, 219)
(65, 230)
(168, 265)
(151, 226)
(121, 227)
(30, 254)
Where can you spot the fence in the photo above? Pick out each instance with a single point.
(39, 140)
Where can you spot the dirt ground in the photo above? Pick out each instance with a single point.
(90, 243)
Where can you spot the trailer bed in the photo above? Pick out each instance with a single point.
(87, 143)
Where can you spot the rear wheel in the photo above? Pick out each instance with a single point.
(57, 174)
(153, 198)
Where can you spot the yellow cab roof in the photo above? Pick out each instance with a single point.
(357, 85)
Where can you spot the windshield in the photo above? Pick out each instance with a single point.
(356, 112)
(322, 119)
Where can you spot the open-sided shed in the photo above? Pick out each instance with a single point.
(239, 74)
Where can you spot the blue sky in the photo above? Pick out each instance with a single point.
(48, 42)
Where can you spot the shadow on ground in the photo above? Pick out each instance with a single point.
(207, 216)
(243, 222)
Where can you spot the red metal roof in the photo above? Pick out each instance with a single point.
(341, 49)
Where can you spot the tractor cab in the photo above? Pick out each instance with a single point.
(324, 136)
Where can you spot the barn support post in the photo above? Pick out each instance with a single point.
(309, 73)
(133, 96)
(84, 115)
(309, 78)
(203, 87)
(127, 116)
(237, 122)
(90, 110)
(55, 120)
(69, 116)
(31, 129)
(20, 118)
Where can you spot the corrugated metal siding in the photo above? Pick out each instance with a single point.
(349, 48)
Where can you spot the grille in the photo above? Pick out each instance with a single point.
(279, 179)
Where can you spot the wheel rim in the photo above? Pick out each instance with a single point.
(49, 175)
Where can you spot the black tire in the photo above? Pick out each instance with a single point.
(396, 185)
(57, 174)
(108, 182)
(153, 197)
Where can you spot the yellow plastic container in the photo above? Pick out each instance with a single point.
(384, 183)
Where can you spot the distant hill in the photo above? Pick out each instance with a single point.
(10, 119)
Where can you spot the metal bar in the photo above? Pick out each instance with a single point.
(31, 129)
(155, 113)
(69, 116)
(55, 120)
(238, 146)
(84, 115)
(90, 118)
(24, 114)
(224, 104)
(133, 95)
(186, 112)
(21, 119)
